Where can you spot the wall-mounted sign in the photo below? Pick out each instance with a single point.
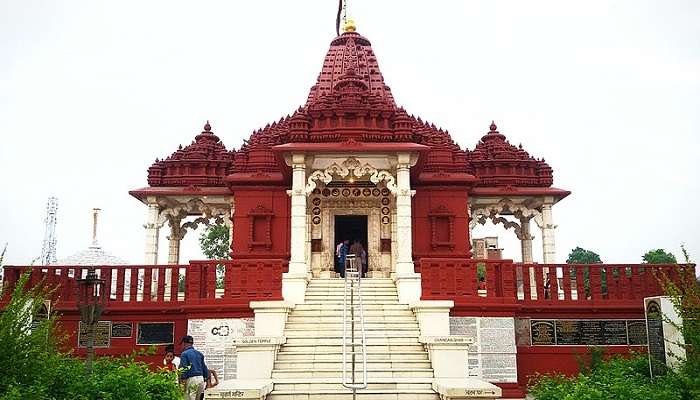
(122, 329)
(155, 333)
(102, 334)
(542, 332)
(587, 332)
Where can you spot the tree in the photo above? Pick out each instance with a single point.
(34, 367)
(214, 242)
(583, 256)
(658, 256)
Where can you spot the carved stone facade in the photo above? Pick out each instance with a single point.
(351, 135)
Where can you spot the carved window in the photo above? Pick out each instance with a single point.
(441, 228)
(260, 228)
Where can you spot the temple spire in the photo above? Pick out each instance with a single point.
(95, 213)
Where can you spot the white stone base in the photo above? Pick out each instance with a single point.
(433, 316)
(251, 389)
(327, 274)
(294, 287)
(465, 388)
(409, 287)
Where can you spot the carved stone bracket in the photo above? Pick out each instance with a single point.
(175, 215)
(494, 212)
(351, 166)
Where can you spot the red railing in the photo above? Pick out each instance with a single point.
(236, 282)
(470, 282)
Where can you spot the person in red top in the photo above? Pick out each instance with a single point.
(171, 361)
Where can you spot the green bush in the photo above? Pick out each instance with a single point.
(617, 378)
(33, 367)
(628, 378)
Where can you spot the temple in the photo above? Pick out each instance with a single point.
(351, 164)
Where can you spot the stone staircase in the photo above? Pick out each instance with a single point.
(309, 365)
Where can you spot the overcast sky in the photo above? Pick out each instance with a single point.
(608, 93)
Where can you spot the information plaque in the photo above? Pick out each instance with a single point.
(588, 332)
(102, 334)
(542, 332)
(155, 333)
(122, 329)
(655, 329)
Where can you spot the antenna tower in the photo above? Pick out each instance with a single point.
(48, 250)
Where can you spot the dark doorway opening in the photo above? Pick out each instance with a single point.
(351, 228)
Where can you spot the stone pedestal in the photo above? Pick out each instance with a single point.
(256, 355)
(433, 317)
(270, 317)
(458, 389)
(250, 389)
(294, 287)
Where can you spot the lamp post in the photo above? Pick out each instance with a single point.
(91, 302)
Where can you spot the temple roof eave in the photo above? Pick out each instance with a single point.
(350, 146)
(556, 193)
(160, 191)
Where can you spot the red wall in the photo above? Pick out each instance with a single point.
(439, 213)
(250, 203)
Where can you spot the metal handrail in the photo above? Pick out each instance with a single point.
(353, 279)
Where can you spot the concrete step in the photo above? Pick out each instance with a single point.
(337, 340)
(338, 313)
(372, 384)
(345, 394)
(337, 372)
(337, 333)
(337, 364)
(339, 307)
(306, 356)
(370, 324)
(296, 320)
(319, 348)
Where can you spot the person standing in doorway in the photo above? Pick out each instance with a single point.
(337, 256)
(341, 257)
(356, 250)
(195, 369)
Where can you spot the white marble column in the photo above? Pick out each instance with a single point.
(525, 240)
(176, 235)
(152, 226)
(294, 281)
(547, 227)
(408, 282)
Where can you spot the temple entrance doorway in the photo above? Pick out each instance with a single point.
(351, 228)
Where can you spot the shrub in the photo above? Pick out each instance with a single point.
(33, 367)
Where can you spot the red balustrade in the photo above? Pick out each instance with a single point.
(160, 286)
(475, 283)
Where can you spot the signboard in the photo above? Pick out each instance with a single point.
(542, 332)
(587, 332)
(122, 329)
(492, 356)
(155, 333)
(655, 331)
(215, 338)
(102, 334)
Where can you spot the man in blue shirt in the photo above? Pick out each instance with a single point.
(196, 371)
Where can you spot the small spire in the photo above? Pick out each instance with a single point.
(95, 212)
(349, 26)
(493, 126)
(207, 127)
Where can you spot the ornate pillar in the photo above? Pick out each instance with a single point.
(297, 260)
(294, 281)
(525, 240)
(177, 232)
(547, 227)
(408, 282)
(152, 226)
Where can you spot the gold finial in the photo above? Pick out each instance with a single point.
(349, 25)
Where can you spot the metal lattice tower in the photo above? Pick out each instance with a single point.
(48, 250)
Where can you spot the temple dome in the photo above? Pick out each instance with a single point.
(350, 59)
(205, 162)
